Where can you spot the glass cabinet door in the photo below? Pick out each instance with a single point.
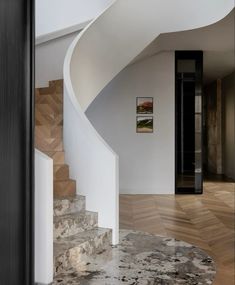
(188, 122)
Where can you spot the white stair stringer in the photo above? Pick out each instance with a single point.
(106, 46)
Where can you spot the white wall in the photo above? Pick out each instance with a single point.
(54, 15)
(43, 218)
(49, 59)
(146, 160)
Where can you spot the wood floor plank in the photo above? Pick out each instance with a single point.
(206, 221)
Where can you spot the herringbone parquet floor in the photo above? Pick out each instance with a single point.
(206, 221)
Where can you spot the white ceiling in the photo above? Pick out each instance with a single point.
(217, 42)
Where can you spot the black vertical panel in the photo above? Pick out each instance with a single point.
(189, 181)
(16, 142)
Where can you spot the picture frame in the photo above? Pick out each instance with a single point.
(144, 105)
(144, 124)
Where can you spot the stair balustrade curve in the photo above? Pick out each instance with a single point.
(104, 48)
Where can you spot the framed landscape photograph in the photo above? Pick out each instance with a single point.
(144, 124)
(144, 105)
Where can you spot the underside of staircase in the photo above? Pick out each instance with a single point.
(77, 237)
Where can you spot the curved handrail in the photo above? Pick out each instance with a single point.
(96, 56)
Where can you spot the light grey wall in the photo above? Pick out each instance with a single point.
(228, 93)
(52, 16)
(146, 160)
(49, 59)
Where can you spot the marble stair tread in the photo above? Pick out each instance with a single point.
(79, 250)
(71, 224)
(69, 205)
(64, 244)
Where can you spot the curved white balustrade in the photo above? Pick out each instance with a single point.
(95, 57)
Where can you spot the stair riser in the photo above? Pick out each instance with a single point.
(64, 189)
(45, 132)
(50, 120)
(48, 91)
(49, 144)
(61, 172)
(57, 85)
(65, 207)
(49, 98)
(70, 225)
(80, 256)
(48, 110)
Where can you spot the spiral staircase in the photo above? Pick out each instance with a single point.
(104, 48)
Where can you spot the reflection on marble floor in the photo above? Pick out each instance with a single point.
(145, 259)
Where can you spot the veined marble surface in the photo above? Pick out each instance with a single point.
(145, 259)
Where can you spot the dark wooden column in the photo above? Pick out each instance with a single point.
(16, 142)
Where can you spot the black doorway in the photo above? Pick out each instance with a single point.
(16, 142)
(188, 118)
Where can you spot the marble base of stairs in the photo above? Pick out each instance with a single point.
(142, 259)
(72, 224)
(79, 250)
(69, 205)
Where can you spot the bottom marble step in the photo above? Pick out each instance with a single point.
(79, 250)
(144, 259)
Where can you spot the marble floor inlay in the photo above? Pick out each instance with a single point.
(145, 259)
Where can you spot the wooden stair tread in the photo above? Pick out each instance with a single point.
(46, 132)
(57, 156)
(55, 86)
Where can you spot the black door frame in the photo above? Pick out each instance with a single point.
(17, 142)
(198, 56)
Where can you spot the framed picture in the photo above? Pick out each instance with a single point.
(144, 105)
(144, 124)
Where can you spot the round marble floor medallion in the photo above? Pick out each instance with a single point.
(145, 259)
